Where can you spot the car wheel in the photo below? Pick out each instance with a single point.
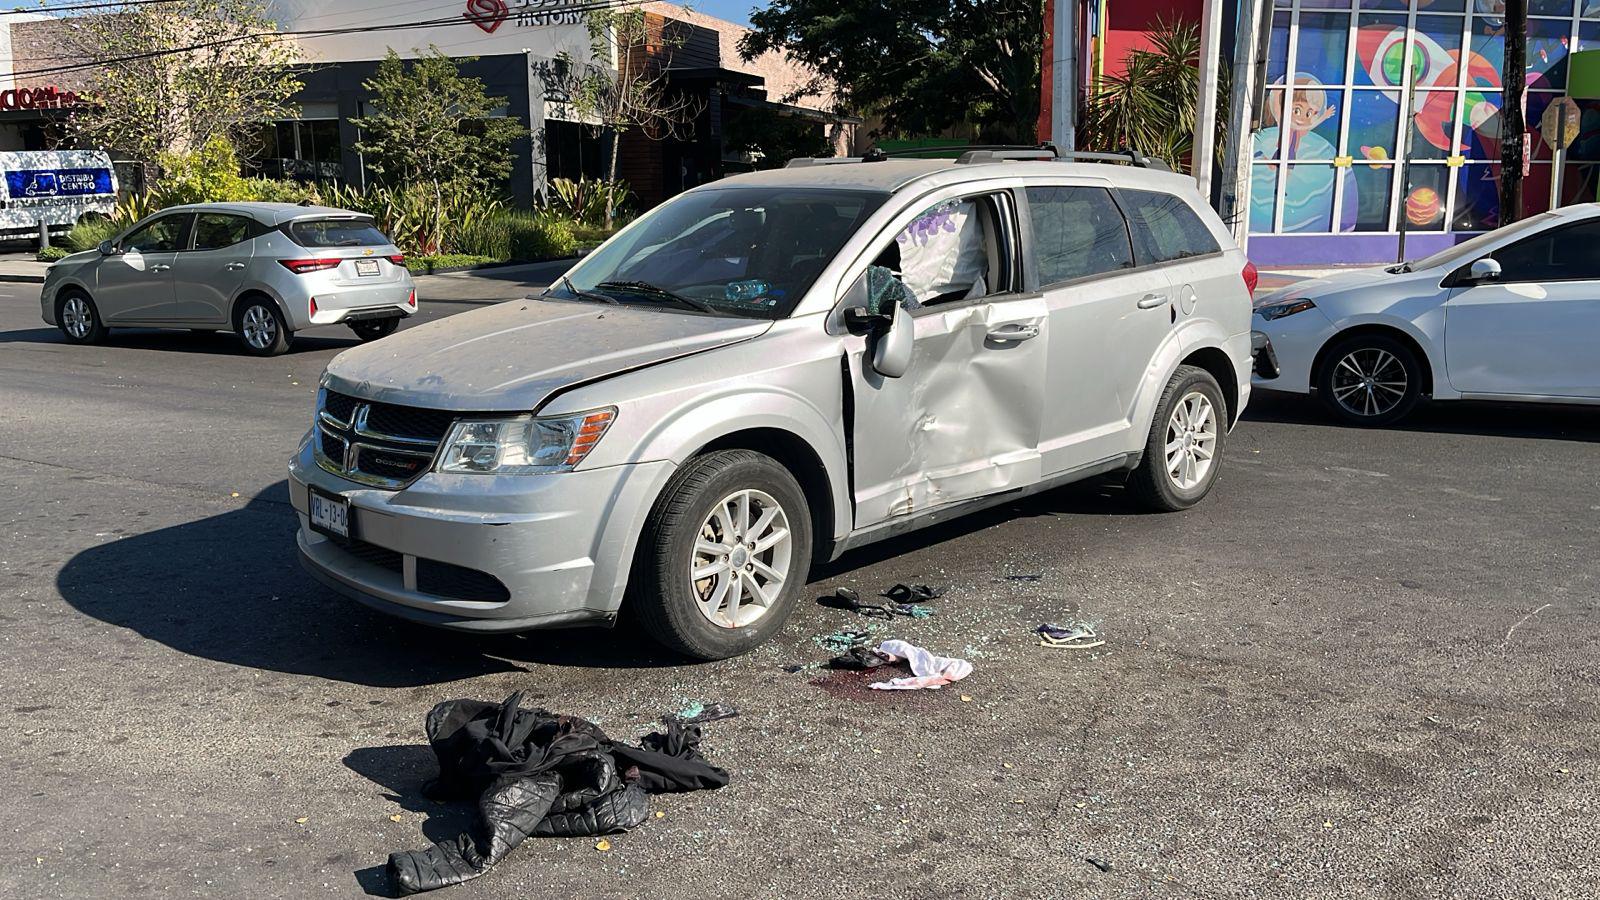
(260, 327)
(372, 329)
(724, 555)
(1184, 451)
(79, 319)
(1370, 380)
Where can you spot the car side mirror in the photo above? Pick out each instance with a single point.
(1485, 269)
(108, 249)
(891, 351)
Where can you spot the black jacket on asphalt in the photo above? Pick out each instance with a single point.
(534, 772)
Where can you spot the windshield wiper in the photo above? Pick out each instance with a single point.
(1401, 269)
(651, 290)
(586, 295)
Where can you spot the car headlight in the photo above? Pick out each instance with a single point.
(1284, 308)
(523, 445)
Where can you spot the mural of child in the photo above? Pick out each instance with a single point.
(1308, 195)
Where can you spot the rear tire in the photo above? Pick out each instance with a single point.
(1370, 380)
(79, 319)
(1183, 454)
(373, 329)
(260, 327)
(721, 515)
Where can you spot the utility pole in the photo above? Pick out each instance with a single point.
(1064, 75)
(1205, 107)
(1514, 82)
(1248, 67)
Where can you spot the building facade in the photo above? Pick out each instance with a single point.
(517, 48)
(1383, 114)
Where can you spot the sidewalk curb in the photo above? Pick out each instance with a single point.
(6, 278)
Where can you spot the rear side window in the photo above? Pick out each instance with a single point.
(213, 231)
(1077, 232)
(1165, 228)
(336, 233)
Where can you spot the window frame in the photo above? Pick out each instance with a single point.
(1142, 264)
(1543, 234)
(251, 229)
(1032, 254)
(184, 236)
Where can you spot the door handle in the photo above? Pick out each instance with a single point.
(1014, 333)
(234, 266)
(160, 267)
(1151, 301)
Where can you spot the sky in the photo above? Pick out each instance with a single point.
(731, 10)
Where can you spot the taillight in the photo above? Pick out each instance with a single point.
(1251, 276)
(411, 301)
(398, 259)
(302, 266)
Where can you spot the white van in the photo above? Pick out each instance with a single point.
(57, 187)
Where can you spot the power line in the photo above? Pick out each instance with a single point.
(77, 6)
(587, 6)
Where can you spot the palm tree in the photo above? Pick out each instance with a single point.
(1151, 106)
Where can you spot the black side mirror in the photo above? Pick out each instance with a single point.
(108, 249)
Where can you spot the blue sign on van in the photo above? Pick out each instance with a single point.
(58, 182)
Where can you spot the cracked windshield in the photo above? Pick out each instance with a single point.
(743, 252)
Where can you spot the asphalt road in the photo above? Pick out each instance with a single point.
(1366, 666)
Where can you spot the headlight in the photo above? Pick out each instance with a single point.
(1284, 308)
(523, 445)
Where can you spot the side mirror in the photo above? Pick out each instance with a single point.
(1484, 269)
(108, 249)
(891, 352)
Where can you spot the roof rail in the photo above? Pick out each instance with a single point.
(1048, 151)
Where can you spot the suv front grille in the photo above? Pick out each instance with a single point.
(379, 444)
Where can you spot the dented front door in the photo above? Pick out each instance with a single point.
(964, 420)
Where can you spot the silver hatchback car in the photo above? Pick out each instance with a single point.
(264, 270)
(770, 370)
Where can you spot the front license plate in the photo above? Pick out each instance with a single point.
(330, 515)
(366, 267)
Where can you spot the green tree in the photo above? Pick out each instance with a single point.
(152, 96)
(1151, 106)
(430, 125)
(775, 138)
(922, 65)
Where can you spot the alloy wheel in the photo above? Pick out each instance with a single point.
(1191, 444)
(260, 327)
(77, 316)
(740, 559)
(1369, 381)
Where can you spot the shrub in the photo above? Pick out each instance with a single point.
(423, 265)
(53, 253)
(274, 190)
(87, 234)
(514, 234)
(207, 174)
(586, 199)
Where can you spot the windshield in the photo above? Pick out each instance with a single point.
(1471, 249)
(312, 233)
(732, 251)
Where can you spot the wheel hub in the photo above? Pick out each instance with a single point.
(741, 558)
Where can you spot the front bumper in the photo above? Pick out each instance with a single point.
(1264, 361)
(560, 545)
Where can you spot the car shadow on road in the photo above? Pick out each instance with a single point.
(175, 341)
(1467, 417)
(230, 588)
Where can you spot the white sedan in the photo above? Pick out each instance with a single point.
(1513, 314)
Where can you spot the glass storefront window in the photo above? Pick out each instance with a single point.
(1328, 151)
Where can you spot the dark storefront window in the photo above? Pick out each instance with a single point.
(302, 149)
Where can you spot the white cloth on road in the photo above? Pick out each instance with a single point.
(928, 671)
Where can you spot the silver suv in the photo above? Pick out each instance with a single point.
(768, 371)
(265, 270)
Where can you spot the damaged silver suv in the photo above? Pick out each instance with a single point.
(768, 371)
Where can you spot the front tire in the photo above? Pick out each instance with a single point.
(79, 319)
(373, 329)
(260, 327)
(724, 555)
(1183, 454)
(1370, 380)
